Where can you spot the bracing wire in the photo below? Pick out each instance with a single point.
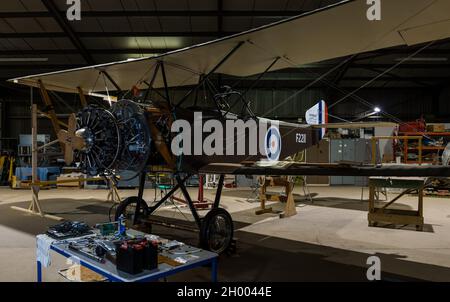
(107, 90)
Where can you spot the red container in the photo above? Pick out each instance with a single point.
(416, 126)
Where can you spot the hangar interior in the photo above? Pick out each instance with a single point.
(395, 92)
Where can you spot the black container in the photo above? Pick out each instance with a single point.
(130, 260)
(150, 257)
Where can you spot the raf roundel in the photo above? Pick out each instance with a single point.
(273, 144)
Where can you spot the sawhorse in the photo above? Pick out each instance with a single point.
(282, 181)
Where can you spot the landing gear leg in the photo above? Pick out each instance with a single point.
(140, 195)
(216, 228)
(188, 199)
(136, 210)
(219, 191)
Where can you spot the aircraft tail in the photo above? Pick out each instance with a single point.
(318, 115)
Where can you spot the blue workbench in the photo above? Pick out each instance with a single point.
(109, 270)
(44, 173)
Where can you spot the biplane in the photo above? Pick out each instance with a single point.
(139, 134)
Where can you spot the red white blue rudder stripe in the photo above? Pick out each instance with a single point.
(318, 115)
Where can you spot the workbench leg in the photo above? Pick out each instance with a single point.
(263, 199)
(289, 209)
(420, 205)
(214, 270)
(39, 271)
(371, 198)
(420, 208)
(371, 202)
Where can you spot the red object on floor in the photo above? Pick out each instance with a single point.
(201, 202)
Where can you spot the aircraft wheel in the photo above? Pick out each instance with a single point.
(128, 208)
(216, 233)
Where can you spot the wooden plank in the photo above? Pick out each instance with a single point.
(263, 198)
(48, 116)
(276, 197)
(51, 111)
(28, 211)
(35, 206)
(355, 125)
(55, 182)
(395, 219)
(167, 260)
(290, 209)
(407, 191)
(82, 97)
(390, 182)
(34, 147)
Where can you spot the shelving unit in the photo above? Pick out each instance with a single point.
(24, 149)
(421, 151)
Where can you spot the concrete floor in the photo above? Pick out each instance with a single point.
(328, 240)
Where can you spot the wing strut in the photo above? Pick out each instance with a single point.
(111, 80)
(166, 87)
(260, 76)
(152, 81)
(203, 79)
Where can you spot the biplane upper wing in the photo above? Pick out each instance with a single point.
(335, 31)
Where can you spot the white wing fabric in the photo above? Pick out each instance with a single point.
(339, 30)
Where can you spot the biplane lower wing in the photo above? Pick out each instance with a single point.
(338, 169)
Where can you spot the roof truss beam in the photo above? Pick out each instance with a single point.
(62, 34)
(68, 31)
(91, 51)
(161, 13)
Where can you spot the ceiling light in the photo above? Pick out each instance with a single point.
(141, 56)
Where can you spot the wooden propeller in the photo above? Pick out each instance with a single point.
(70, 139)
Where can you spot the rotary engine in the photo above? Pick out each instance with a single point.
(109, 141)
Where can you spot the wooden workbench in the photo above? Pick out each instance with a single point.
(280, 181)
(396, 216)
